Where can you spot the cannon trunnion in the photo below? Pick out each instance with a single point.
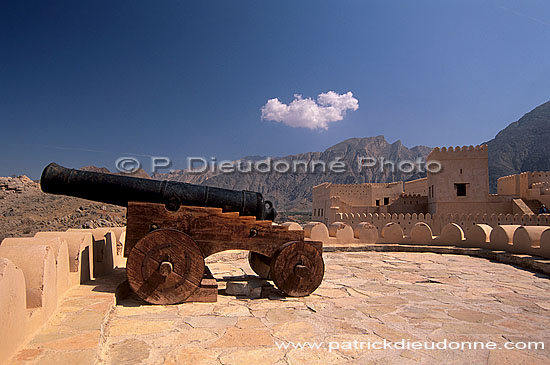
(173, 227)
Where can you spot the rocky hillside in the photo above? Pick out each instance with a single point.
(522, 146)
(138, 173)
(292, 191)
(25, 210)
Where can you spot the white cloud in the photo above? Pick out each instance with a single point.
(308, 113)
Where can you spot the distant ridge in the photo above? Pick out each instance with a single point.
(292, 191)
(138, 173)
(523, 145)
(102, 170)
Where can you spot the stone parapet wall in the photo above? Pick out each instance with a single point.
(418, 186)
(526, 185)
(438, 221)
(514, 238)
(508, 185)
(35, 272)
(544, 185)
(409, 203)
(533, 177)
(329, 198)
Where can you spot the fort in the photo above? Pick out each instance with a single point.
(382, 244)
(459, 193)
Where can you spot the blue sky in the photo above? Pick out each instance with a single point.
(85, 82)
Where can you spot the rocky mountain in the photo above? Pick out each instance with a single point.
(25, 210)
(291, 191)
(522, 146)
(138, 173)
(102, 170)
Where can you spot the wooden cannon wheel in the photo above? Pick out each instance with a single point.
(260, 264)
(165, 267)
(297, 268)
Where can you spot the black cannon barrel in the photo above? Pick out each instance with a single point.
(119, 190)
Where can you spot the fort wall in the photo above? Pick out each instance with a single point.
(462, 185)
(330, 199)
(36, 272)
(31, 289)
(513, 238)
(437, 221)
(416, 187)
(409, 203)
(508, 185)
(526, 185)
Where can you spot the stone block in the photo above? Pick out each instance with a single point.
(366, 232)
(120, 259)
(109, 252)
(526, 240)
(80, 245)
(421, 234)
(104, 248)
(478, 235)
(237, 288)
(13, 309)
(60, 251)
(316, 231)
(392, 233)
(98, 233)
(451, 235)
(39, 269)
(292, 226)
(341, 231)
(502, 237)
(545, 245)
(252, 288)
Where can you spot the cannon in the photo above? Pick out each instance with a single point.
(172, 227)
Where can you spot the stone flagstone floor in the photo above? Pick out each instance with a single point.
(365, 297)
(73, 333)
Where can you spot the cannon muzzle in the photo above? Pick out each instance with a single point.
(119, 190)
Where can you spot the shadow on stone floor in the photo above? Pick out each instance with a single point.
(268, 291)
(106, 283)
(127, 298)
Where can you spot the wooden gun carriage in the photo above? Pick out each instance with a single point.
(172, 227)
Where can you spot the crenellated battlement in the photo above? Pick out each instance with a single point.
(437, 221)
(464, 152)
(507, 178)
(523, 239)
(537, 174)
(411, 195)
(358, 186)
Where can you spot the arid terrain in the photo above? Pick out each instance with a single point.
(25, 210)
